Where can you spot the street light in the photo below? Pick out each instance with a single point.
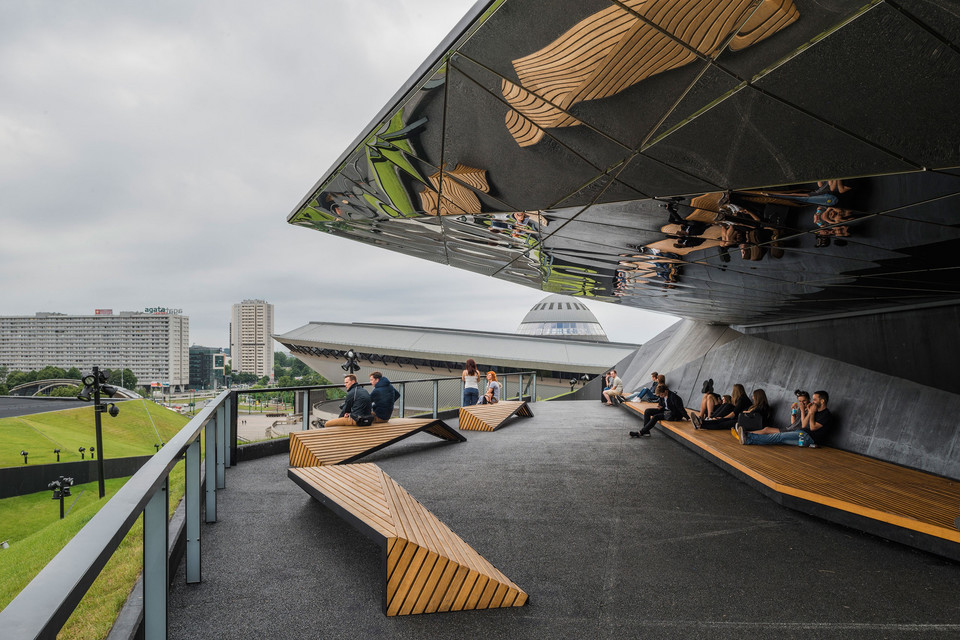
(24, 454)
(61, 490)
(93, 384)
(57, 451)
(81, 450)
(350, 366)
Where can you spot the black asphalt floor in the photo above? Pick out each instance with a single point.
(612, 537)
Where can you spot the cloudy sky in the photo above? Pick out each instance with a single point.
(150, 153)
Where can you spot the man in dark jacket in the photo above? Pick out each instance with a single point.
(671, 408)
(356, 406)
(383, 396)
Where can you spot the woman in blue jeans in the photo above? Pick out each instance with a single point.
(471, 383)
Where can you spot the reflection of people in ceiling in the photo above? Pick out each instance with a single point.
(615, 48)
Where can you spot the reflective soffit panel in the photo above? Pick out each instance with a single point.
(733, 161)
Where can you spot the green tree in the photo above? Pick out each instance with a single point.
(15, 378)
(74, 374)
(280, 358)
(63, 392)
(299, 368)
(124, 378)
(286, 381)
(3, 373)
(3, 389)
(51, 373)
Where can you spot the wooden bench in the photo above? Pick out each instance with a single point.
(489, 417)
(427, 567)
(340, 445)
(908, 506)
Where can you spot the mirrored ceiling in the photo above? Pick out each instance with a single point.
(733, 161)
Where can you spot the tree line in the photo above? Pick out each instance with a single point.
(10, 379)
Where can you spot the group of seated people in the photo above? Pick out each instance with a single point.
(363, 408)
(750, 417)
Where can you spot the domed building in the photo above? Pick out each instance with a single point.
(560, 316)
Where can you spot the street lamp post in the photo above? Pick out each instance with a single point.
(93, 383)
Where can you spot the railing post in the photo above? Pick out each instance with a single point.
(221, 446)
(210, 476)
(520, 394)
(192, 511)
(305, 409)
(234, 410)
(533, 392)
(155, 565)
(503, 392)
(403, 398)
(436, 398)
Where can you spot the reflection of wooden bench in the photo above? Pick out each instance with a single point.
(882, 498)
(339, 445)
(427, 567)
(488, 417)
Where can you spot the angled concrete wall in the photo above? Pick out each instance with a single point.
(878, 415)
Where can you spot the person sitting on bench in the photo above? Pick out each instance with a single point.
(382, 398)
(648, 393)
(671, 408)
(717, 421)
(724, 410)
(615, 390)
(492, 394)
(815, 423)
(355, 409)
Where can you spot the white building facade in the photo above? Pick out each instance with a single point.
(251, 338)
(153, 344)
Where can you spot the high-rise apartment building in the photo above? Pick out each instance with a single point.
(251, 338)
(154, 344)
(206, 367)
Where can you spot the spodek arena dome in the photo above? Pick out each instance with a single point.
(560, 316)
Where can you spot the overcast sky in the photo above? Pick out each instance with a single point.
(150, 153)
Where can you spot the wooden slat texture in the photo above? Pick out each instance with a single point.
(339, 445)
(622, 45)
(488, 417)
(846, 481)
(429, 568)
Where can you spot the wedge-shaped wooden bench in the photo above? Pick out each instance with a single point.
(340, 445)
(908, 506)
(488, 417)
(427, 567)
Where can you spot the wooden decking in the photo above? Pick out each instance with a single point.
(909, 506)
(340, 445)
(489, 417)
(427, 567)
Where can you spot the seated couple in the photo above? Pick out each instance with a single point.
(720, 412)
(361, 408)
(670, 407)
(649, 392)
(809, 428)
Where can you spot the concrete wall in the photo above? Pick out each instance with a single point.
(918, 344)
(18, 481)
(878, 415)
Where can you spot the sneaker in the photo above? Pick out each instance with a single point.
(634, 434)
(741, 435)
(696, 420)
(644, 434)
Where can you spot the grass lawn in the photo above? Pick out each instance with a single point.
(140, 425)
(32, 525)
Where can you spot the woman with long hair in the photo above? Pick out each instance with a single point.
(492, 394)
(471, 383)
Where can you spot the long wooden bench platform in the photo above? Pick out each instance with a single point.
(340, 445)
(489, 417)
(427, 567)
(882, 498)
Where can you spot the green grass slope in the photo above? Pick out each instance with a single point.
(140, 425)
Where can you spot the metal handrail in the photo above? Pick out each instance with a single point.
(45, 604)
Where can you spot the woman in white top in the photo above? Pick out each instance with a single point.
(471, 383)
(492, 395)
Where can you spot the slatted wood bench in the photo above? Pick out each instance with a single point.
(489, 417)
(340, 445)
(427, 567)
(908, 506)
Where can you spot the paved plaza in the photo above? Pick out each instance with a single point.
(612, 537)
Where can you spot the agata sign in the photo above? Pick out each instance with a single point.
(173, 312)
